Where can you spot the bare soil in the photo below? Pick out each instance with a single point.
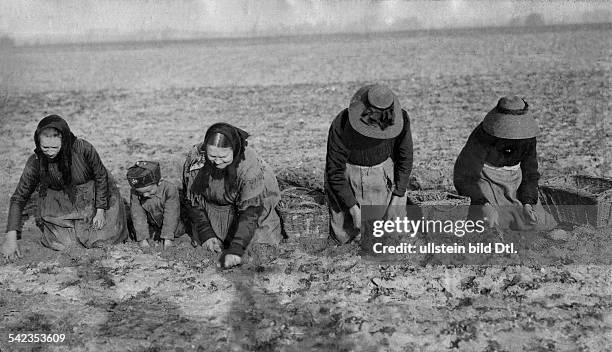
(154, 102)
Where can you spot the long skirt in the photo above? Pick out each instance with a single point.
(223, 218)
(65, 224)
(371, 185)
(500, 185)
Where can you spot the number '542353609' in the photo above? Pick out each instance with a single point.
(36, 338)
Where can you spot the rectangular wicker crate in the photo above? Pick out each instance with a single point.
(304, 213)
(579, 199)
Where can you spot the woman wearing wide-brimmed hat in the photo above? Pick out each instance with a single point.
(369, 158)
(78, 200)
(231, 195)
(498, 169)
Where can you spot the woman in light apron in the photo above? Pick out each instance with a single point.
(498, 169)
(368, 161)
(78, 200)
(231, 195)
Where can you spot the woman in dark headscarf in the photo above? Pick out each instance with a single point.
(498, 169)
(77, 199)
(231, 194)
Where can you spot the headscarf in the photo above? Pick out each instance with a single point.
(63, 159)
(238, 140)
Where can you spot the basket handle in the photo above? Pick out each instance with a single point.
(446, 207)
(296, 188)
(307, 203)
(439, 207)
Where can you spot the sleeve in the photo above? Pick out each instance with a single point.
(468, 167)
(200, 224)
(27, 185)
(335, 166)
(139, 218)
(249, 208)
(528, 190)
(172, 209)
(100, 175)
(403, 158)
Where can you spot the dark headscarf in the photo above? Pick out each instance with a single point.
(238, 140)
(64, 157)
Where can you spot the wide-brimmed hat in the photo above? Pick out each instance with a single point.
(511, 119)
(143, 173)
(369, 105)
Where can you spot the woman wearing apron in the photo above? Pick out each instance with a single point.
(78, 200)
(369, 159)
(231, 195)
(498, 169)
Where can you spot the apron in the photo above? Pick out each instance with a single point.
(500, 185)
(371, 185)
(223, 217)
(65, 224)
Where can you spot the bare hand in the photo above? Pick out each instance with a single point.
(355, 212)
(230, 260)
(530, 213)
(99, 220)
(213, 244)
(10, 248)
(392, 208)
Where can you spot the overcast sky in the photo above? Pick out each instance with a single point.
(95, 20)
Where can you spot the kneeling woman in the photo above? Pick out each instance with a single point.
(231, 195)
(78, 201)
(498, 169)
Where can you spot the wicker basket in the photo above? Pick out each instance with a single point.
(304, 213)
(579, 199)
(437, 205)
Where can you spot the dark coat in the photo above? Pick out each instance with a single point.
(85, 166)
(481, 147)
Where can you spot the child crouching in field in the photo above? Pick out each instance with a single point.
(154, 205)
(498, 169)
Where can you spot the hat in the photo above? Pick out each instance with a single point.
(144, 173)
(375, 98)
(511, 119)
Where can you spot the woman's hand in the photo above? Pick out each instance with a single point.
(99, 220)
(229, 260)
(530, 213)
(396, 201)
(491, 216)
(213, 244)
(355, 212)
(10, 248)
